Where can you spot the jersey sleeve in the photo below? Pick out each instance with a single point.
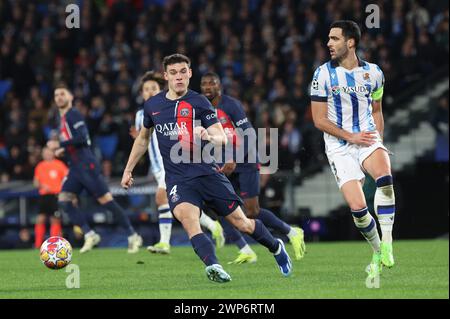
(238, 116)
(147, 119)
(319, 91)
(139, 119)
(206, 113)
(377, 93)
(79, 131)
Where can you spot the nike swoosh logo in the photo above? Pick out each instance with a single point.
(230, 206)
(155, 113)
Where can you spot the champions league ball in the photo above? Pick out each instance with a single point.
(56, 252)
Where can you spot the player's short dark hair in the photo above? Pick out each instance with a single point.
(152, 76)
(62, 85)
(211, 74)
(175, 58)
(350, 29)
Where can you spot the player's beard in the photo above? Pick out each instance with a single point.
(341, 57)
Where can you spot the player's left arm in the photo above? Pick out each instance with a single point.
(210, 129)
(213, 134)
(377, 110)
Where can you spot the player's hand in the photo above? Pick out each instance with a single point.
(59, 152)
(53, 145)
(127, 179)
(133, 132)
(363, 138)
(202, 133)
(228, 168)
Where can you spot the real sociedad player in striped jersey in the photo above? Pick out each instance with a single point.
(177, 114)
(244, 175)
(151, 84)
(346, 95)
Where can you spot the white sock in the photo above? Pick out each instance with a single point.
(292, 233)
(165, 223)
(247, 250)
(384, 204)
(207, 222)
(367, 226)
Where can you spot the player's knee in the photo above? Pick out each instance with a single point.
(66, 197)
(252, 210)
(161, 197)
(244, 225)
(105, 199)
(40, 219)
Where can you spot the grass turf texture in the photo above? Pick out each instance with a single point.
(329, 270)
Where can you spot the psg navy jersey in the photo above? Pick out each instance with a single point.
(231, 115)
(74, 137)
(174, 122)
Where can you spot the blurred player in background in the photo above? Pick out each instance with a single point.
(48, 178)
(84, 173)
(174, 115)
(346, 95)
(245, 176)
(151, 84)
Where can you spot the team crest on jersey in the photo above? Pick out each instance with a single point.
(336, 90)
(366, 77)
(175, 198)
(184, 112)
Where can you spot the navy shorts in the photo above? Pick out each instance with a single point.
(88, 178)
(213, 190)
(246, 184)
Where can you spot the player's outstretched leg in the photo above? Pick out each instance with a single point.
(256, 229)
(188, 215)
(215, 228)
(246, 253)
(134, 240)
(295, 234)
(165, 231)
(384, 204)
(204, 248)
(367, 226)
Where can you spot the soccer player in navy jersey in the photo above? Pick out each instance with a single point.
(244, 175)
(84, 173)
(152, 83)
(180, 117)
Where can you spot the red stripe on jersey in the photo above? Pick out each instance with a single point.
(185, 121)
(66, 134)
(228, 127)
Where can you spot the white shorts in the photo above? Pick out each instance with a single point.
(346, 161)
(160, 177)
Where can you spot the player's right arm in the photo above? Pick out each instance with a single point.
(321, 121)
(319, 109)
(139, 148)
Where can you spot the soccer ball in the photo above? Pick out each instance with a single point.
(56, 252)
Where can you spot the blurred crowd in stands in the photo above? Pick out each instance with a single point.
(264, 50)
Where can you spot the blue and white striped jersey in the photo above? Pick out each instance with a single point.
(153, 148)
(349, 95)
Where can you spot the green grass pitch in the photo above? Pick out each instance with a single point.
(329, 270)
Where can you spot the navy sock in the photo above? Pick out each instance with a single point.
(75, 215)
(120, 216)
(264, 237)
(233, 234)
(204, 248)
(269, 219)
